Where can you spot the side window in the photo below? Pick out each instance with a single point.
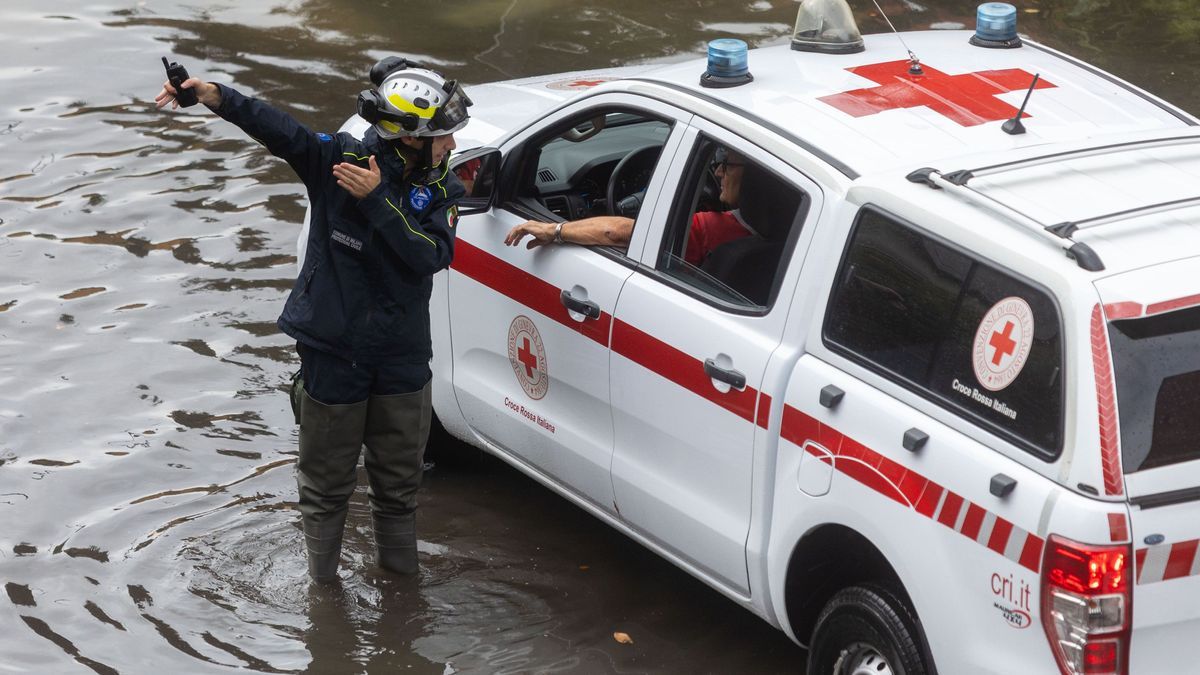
(594, 165)
(958, 331)
(732, 226)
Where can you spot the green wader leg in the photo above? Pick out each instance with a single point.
(331, 436)
(397, 429)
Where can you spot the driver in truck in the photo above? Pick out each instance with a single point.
(709, 229)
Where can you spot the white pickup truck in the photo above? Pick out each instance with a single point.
(934, 411)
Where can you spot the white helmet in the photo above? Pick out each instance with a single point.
(412, 101)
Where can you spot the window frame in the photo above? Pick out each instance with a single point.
(682, 203)
(1048, 455)
(517, 169)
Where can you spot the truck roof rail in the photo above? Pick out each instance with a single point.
(1081, 253)
(962, 177)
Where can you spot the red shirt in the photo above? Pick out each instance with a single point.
(709, 230)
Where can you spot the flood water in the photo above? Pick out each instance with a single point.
(147, 500)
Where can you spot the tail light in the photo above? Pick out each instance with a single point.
(1087, 604)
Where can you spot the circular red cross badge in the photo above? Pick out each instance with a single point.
(528, 357)
(1002, 343)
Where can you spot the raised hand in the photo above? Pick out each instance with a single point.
(359, 182)
(206, 92)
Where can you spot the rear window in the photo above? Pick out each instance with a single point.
(1157, 365)
(964, 334)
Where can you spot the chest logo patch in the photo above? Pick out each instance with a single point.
(527, 355)
(419, 197)
(346, 240)
(1002, 343)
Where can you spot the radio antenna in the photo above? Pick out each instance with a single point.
(914, 64)
(1014, 127)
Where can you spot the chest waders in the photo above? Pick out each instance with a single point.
(394, 429)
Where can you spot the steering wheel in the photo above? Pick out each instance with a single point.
(629, 162)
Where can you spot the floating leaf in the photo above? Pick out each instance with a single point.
(623, 638)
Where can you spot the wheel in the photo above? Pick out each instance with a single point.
(867, 630)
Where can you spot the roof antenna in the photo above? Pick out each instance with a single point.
(914, 64)
(1014, 127)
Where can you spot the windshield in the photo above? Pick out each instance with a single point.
(1157, 363)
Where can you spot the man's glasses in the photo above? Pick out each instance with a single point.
(724, 165)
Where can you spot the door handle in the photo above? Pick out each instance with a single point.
(585, 307)
(729, 376)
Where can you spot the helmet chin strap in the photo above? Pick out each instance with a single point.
(422, 155)
(426, 154)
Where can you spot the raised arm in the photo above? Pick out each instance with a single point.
(310, 154)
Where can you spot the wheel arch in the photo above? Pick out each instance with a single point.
(825, 560)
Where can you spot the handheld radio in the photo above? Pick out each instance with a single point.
(176, 75)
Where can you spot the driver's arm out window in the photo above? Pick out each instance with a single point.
(593, 165)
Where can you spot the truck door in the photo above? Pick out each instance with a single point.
(1156, 364)
(692, 333)
(530, 328)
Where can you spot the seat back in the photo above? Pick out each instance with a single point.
(749, 265)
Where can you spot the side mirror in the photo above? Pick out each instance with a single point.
(478, 169)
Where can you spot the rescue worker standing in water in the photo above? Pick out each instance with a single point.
(383, 211)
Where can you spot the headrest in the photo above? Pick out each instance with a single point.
(767, 203)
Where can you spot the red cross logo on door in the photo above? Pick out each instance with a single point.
(969, 99)
(527, 355)
(527, 358)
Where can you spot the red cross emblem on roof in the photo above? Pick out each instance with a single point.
(969, 99)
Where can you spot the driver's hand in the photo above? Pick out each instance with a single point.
(541, 233)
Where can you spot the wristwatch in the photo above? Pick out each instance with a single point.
(558, 233)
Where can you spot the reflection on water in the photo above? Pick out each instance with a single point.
(146, 448)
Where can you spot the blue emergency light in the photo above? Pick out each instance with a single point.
(728, 64)
(996, 26)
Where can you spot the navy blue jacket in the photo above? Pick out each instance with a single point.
(363, 293)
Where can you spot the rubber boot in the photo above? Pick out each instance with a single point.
(331, 437)
(323, 541)
(397, 430)
(396, 542)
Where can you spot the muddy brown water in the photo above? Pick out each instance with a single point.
(147, 518)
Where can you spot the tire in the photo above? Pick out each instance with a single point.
(867, 630)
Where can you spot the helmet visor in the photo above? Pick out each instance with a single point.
(453, 113)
